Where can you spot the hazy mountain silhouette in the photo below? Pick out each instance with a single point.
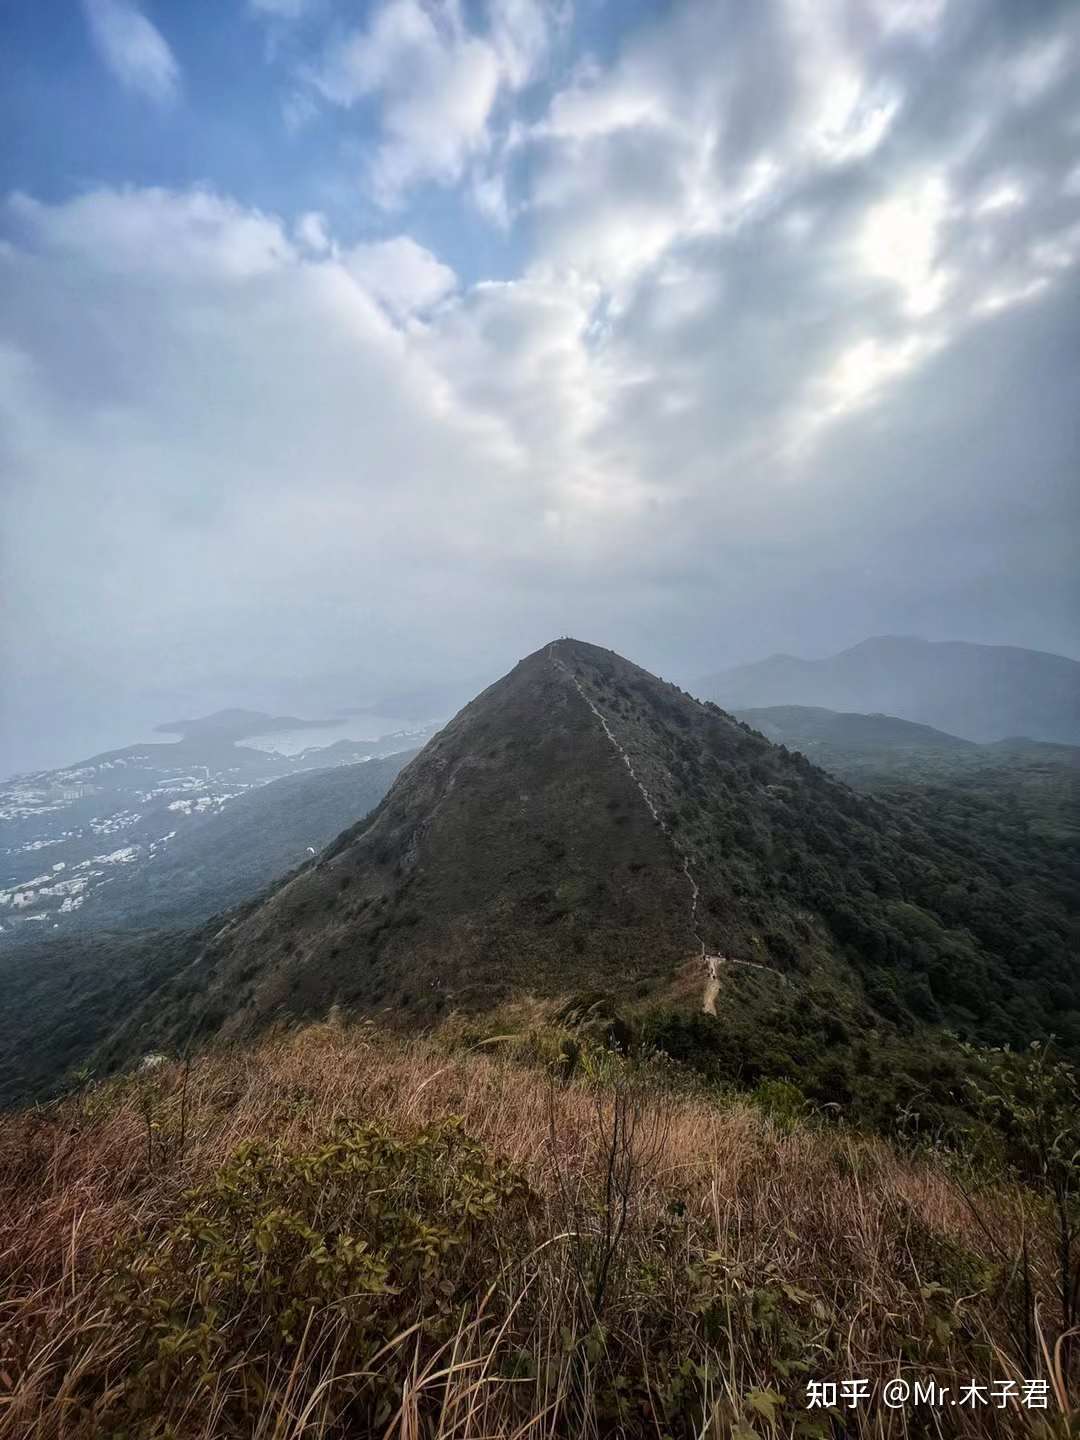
(979, 692)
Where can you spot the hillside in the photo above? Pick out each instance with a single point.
(342, 1233)
(522, 850)
(1013, 783)
(979, 692)
(835, 733)
(91, 844)
(221, 859)
(64, 994)
(64, 989)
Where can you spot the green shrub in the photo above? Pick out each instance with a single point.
(326, 1256)
(783, 1102)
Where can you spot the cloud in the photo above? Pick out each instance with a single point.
(312, 233)
(900, 238)
(521, 34)
(133, 49)
(435, 81)
(795, 155)
(401, 274)
(182, 235)
(213, 449)
(774, 365)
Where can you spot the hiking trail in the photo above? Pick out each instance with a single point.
(711, 962)
(683, 858)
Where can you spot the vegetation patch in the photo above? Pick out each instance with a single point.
(617, 1249)
(312, 1279)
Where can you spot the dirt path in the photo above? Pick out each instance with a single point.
(682, 857)
(712, 986)
(712, 977)
(712, 962)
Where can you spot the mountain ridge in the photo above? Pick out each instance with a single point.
(978, 692)
(517, 854)
(1022, 783)
(779, 722)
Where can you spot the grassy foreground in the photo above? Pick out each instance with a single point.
(343, 1233)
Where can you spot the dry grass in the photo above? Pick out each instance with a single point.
(752, 1260)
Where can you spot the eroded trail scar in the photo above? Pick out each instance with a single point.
(712, 977)
(683, 858)
(712, 985)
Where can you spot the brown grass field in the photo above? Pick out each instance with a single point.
(614, 1255)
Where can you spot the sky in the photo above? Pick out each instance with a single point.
(349, 348)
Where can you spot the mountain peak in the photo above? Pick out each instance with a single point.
(521, 849)
(581, 826)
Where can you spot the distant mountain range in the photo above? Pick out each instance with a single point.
(237, 725)
(811, 727)
(978, 692)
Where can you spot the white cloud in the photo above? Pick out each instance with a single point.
(863, 369)
(186, 235)
(1004, 297)
(842, 110)
(134, 49)
(401, 274)
(921, 17)
(312, 233)
(211, 444)
(598, 104)
(520, 32)
(437, 83)
(701, 128)
(1005, 195)
(900, 240)
(519, 351)
(220, 422)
